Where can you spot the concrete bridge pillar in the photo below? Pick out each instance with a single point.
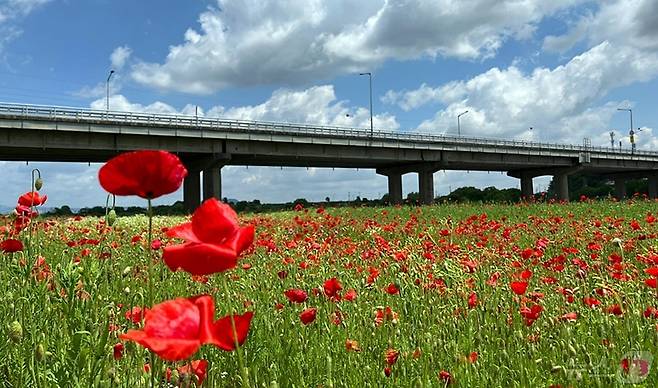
(426, 186)
(620, 188)
(395, 188)
(192, 191)
(561, 182)
(527, 191)
(212, 183)
(652, 181)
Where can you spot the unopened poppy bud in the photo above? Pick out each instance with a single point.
(175, 377)
(111, 373)
(126, 271)
(15, 331)
(40, 352)
(111, 217)
(38, 184)
(274, 384)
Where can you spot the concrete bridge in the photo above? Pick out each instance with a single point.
(205, 145)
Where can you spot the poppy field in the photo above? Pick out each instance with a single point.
(527, 295)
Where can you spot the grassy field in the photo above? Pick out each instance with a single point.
(426, 299)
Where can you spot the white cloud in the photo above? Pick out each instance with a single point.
(412, 99)
(315, 105)
(255, 42)
(632, 23)
(557, 102)
(119, 57)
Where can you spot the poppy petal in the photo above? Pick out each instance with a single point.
(147, 174)
(222, 334)
(243, 239)
(199, 259)
(183, 231)
(214, 222)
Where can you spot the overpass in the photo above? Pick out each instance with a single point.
(205, 145)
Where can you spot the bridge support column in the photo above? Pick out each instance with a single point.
(620, 188)
(527, 190)
(652, 181)
(395, 188)
(212, 183)
(192, 191)
(426, 186)
(561, 182)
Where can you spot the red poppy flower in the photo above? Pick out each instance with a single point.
(519, 288)
(308, 315)
(117, 351)
(332, 287)
(135, 314)
(569, 317)
(25, 211)
(445, 376)
(653, 271)
(199, 368)
(11, 246)
(472, 300)
(391, 356)
(32, 198)
(214, 240)
(531, 314)
(350, 295)
(591, 302)
(614, 309)
(296, 295)
(147, 174)
(175, 329)
(392, 289)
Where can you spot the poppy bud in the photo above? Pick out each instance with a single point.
(111, 217)
(40, 352)
(274, 384)
(38, 184)
(15, 331)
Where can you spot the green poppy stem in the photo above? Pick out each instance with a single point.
(244, 372)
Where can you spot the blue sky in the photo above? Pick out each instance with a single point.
(562, 67)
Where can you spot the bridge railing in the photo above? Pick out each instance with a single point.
(24, 111)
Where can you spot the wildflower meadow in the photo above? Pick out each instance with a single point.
(534, 294)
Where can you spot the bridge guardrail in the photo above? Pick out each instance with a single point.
(133, 118)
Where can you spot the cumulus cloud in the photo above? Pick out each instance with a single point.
(119, 57)
(557, 103)
(315, 105)
(255, 42)
(631, 23)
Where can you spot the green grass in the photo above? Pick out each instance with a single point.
(70, 313)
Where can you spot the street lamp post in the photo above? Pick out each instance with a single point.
(107, 84)
(370, 82)
(459, 128)
(631, 115)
